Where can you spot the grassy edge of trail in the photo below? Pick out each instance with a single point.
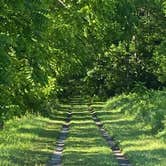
(29, 140)
(85, 146)
(122, 118)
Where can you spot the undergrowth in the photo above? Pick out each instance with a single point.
(149, 107)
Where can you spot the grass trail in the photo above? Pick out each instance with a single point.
(30, 141)
(84, 145)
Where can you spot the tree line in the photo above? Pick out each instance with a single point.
(50, 49)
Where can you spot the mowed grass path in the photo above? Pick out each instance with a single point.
(135, 139)
(85, 145)
(29, 141)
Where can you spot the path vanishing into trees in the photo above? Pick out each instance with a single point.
(59, 58)
(84, 141)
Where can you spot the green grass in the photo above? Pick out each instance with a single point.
(29, 141)
(122, 119)
(84, 145)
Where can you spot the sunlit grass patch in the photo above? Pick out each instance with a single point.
(28, 141)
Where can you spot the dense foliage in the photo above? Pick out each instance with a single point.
(52, 49)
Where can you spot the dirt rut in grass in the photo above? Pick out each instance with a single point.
(56, 159)
(122, 160)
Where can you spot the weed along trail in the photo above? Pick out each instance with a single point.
(84, 145)
(56, 159)
(122, 160)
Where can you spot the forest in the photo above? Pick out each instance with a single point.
(105, 56)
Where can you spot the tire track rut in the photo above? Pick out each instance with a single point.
(122, 160)
(56, 159)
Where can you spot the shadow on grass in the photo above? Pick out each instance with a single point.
(27, 157)
(88, 159)
(81, 120)
(148, 157)
(40, 132)
(76, 141)
(57, 117)
(76, 133)
(106, 114)
(79, 103)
